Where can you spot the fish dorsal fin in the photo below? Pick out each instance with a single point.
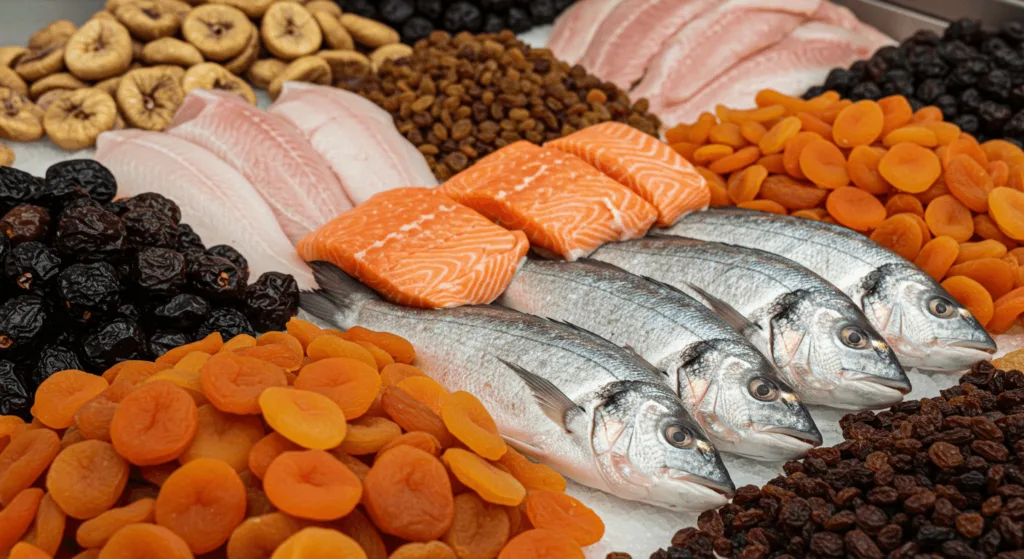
(667, 286)
(553, 401)
(587, 333)
(600, 264)
(727, 312)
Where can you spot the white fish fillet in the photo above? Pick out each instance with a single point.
(357, 138)
(215, 200)
(714, 42)
(633, 33)
(791, 66)
(270, 153)
(576, 27)
(841, 16)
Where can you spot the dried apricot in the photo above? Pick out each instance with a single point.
(791, 154)
(416, 439)
(896, 113)
(972, 295)
(351, 384)
(210, 344)
(727, 133)
(542, 544)
(203, 502)
(491, 483)
(811, 123)
(910, 167)
(985, 228)
(308, 419)
(428, 550)
(792, 194)
(900, 234)
(1002, 150)
(265, 450)
(468, 420)
(824, 165)
(96, 531)
(558, 511)
(318, 543)
(1005, 311)
(717, 186)
(994, 274)
(47, 531)
(225, 437)
(357, 466)
(685, 149)
(773, 163)
(969, 182)
(752, 131)
(188, 381)
(407, 494)
(413, 415)
(24, 460)
(326, 347)
(762, 114)
(531, 474)
(312, 484)
(193, 362)
(1006, 208)
(427, 391)
(744, 185)
(733, 162)
(903, 203)
(711, 152)
(136, 371)
(159, 473)
(87, 478)
(965, 145)
(766, 206)
(945, 132)
(855, 208)
(945, 215)
(10, 427)
(282, 338)
(17, 515)
(911, 134)
(259, 536)
(233, 383)
(62, 393)
(774, 141)
(860, 124)
(240, 341)
(360, 529)
(770, 97)
(862, 167)
(999, 171)
(937, 256)
(479, 530)
(154, 424)
(303, 330)
(678, 133)
(928, 113)
(980, 249)
(145, 540)
(25, 550)
(283, 355)
(367, 435)
(830, 113)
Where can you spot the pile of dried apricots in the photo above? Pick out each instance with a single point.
(310, 443)
(910, 181)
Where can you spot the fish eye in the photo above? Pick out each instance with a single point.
(763, 389)
(855, 337)
(941, 307)
(678, 436)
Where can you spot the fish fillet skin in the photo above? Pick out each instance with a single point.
(643, 163)
(564, 205)
(270, 153)
(419, 248)
(791, 66)
(714, 42)
(576, 27)
(357, 138)
(215, 200)
(633, 33)
(841, 16)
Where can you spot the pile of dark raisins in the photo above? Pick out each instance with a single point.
(939, 477)
(974, 76)
(415, 19)
(87, 281)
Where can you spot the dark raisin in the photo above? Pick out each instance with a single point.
(14, 398)
(90, 234)
(110, 343)
(16, 187)
(996, 85)
(31, 267)
(416, 28)
(827, 544)
(189, 239)
(22, 321)
(519, 20)
(159, 271)
(859, 545)
(155, 202)
(968, 123)
(929, 90)
(431, 9)
(214, 277)
(89, 289)
(271, 300)
(53, 359)
(866, 90)
(25, 222)
(163, 341)
(88, 174)
(462, 16)
(148, 228)
(965, 30)
(229, 322)
(395, 12)
(231, 254)
(184, 311)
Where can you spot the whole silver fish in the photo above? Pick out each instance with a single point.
(925, 325)
(818, 338)
(577, 402)
(729, 387)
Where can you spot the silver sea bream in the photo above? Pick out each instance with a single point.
(573, 400)
(924, 324)
(820, 341)
(729, 387)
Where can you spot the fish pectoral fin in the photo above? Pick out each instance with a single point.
(318, 304)
(555, 404)
(727, 312)
(523, 448)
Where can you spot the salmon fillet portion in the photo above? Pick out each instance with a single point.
(564, 205)
(643, 163)
(419, 248)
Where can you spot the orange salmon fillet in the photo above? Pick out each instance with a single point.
(643, 163)
(419, 248)
(564, 205)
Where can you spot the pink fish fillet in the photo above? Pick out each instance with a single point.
(633, 33)
(576, 28)
(270, 153)
(357, 138)
(791, 66)
(714, 42)
(841, 16)
(215, 200)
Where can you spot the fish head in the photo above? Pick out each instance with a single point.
(745, 405)
(926, 326)
(833, 356)
(650, 449)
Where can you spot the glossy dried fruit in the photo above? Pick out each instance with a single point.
(47, 532)
(734, 161)
(824, 165)
(542, 544)
(327, 346)
(352, 385)
(97, 531)
(203, 502)
(87, 478)
(219, 32)
(972, 295)
(320, 542)
(17, 516)
(855, 208)
(413, 415)
(947, 216)
(557, 511)
(60, 396)
(234, 383)
(910, 167)
(145, 540)
(969, 182)
(367, 435)
(937, 256)
(407, 494)
(911, 134)
(903, 203)
(23, 460)
(965, 145)
(859, 124)
(981, 249)
(266, 450)
(491, 483)
(306, 418)
(1006, 208)
(426, 390)
(1005, 311)
(416, 439)
(996, 275)
(225, 437)
(154, 424)
(98, 50)
(863, 169)
(900, 234)
(896, 112)
(312, 484)
(744, 185)
(468, 421)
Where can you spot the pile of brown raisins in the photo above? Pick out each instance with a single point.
(938, 477)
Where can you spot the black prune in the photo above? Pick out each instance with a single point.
(89, 174)
(129, 311)
(31, 267)
(948, 105)
(365, 8)
(902, 87)
(993, 116)
(83, 203)
(966, 30)
(14, 398)
(866, 90)
(25, 222)
(875, 69)
(147, 228)
(932, 68)
(495, 5)
(163, 341)
(22, 322)
(188, 239)
(396, 11)
(16, 187)
(462, 16)
(518, 20)
(996, 85)
(930, 89)
(493, 23)
(971, 99)
(993, 45)
(87, 289)
(961, 77)
(1015, 126)
(271, 300)
(542, 11)
(156, 202)
(112, 342)
(229, 322)
(840, 79)
(416, 28)
(230, 254)
(90, 234)
(215, 277)
(56, 197)
(432, 9)
(52, 359)
(892, 56)
(184, 311)
(955, 52)
(159, 271)
(5, 247)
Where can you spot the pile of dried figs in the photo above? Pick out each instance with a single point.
(132, 64)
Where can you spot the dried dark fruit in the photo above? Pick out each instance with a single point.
(156, 202)
(16, 187)
(14, 398)
(214, 277)
(229, 322)
(22, 321)
(159, 271)
(88, 174)
(90, 234)
(189, 240)
(110, 343)
(87, 289)
(52, 359)
(229, 253)
(271, 300)
(31, 267)
(145, 227)
(163, 341)
(25, 222)
(184, 311)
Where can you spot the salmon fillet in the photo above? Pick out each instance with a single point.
(645, 164)
(419, 248)
(564, 205)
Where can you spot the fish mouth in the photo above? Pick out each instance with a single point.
(812, 438)
(862, 391)
(901, 385)
(985, 346)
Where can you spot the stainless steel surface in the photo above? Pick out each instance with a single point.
(20, 18)
(893, 20)
(991, 12)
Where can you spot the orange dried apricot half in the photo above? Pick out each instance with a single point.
(972, 295)
(910, 167)
(855, 208)
(306, 418)
(312, 484)
(59, 396)
(860, 124)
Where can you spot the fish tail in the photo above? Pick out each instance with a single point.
(339, 296)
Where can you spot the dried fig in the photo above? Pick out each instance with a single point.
(105, 16)
(252, 8)
(209, 75)
(45, 100)
(10, 55)
(250, 53)
(10, 79)
(263, 71)
(324, 6)
(112, 5)
(311, 69)
(99, 50)
(148, 20)
(20, 120)
(368, 32)
(335, 36)
(176, 72)
(6, 156)
(41, 62)
(137, 48)
(389, 52)
(148, 97)
(57, 32)
(219, 32)
(74, 122)
(171, 51)
(62, 80)
(289, 31)
(109, 85)
(177, 7)
(346, 63)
